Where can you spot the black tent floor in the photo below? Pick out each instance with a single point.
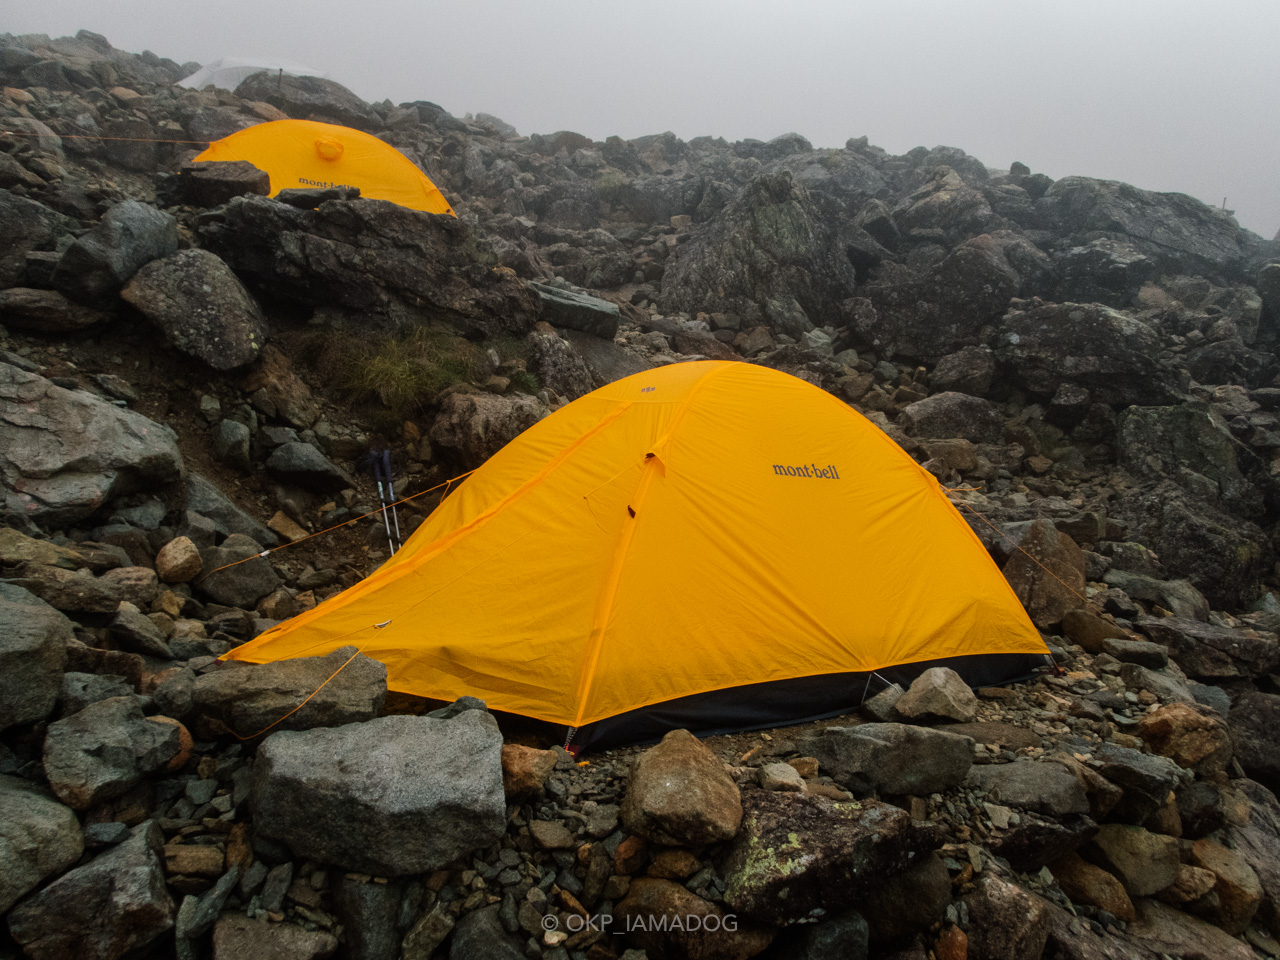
(780, 703)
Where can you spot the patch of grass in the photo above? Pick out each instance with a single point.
(522, 381)
(403, 371)
(611, 186)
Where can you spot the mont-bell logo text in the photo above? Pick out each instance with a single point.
(828, 472)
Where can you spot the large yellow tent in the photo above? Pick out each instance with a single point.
(712, 545)
(307, 153)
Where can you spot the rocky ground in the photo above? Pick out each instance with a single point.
(191, 373)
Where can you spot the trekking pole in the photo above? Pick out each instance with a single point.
(382, 496)
(391, 497)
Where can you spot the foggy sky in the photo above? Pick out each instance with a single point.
(1177, 95)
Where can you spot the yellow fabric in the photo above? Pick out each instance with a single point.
(535, 588)
(307, 153)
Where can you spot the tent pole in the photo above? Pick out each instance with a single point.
(382, 498)
(391, 497)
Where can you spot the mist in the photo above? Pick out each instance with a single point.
(1167, 95)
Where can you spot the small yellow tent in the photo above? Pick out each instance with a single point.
(307, 153)
(712, 545)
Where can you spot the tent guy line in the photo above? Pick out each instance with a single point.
(339, 526)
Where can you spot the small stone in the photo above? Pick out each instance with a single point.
(525, 770)
(284, 525)
(781, 776)
(551, 835)
(881, 706)
(938, 694)
(236, 936)
(807, 767)
(192, 860)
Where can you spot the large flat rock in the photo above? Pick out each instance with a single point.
(391, 797)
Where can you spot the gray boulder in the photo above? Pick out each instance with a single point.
(607, 361)
(929, 315)
(369, 913)
(231, 444)
(201, 308)
(245, 578)
(98, 264)
(1145, 778)
(1112, 355)
(46, 311)
(1103, 270)
(235, 935)
(64, 453)
(394, 796)
(891, 758)
(1253, 722)
(557, 365)
(1268, 284)
(906, 902)
(1181, 235)
(33, 655)
(945, 202)
(953, 415)
(81, 689)
(81, 592)
(26, 225)
(134, 631)
(1208, 652)
(1255, 840)
(313, 97)
(841, 173)
(38, 838)
(1177, 596)
(212, 183)
(768, 257)
(1046, 788)
(302, 464)
(115, 904)
(1005, 921)
(207, 500)
(970, 371)
(383, 261)
(245, 698)
(1225, 557)
(481, 935)
(1191, 445)
(104, 750)
(577, 311)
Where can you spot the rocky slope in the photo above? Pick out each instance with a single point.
(1094, 365)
